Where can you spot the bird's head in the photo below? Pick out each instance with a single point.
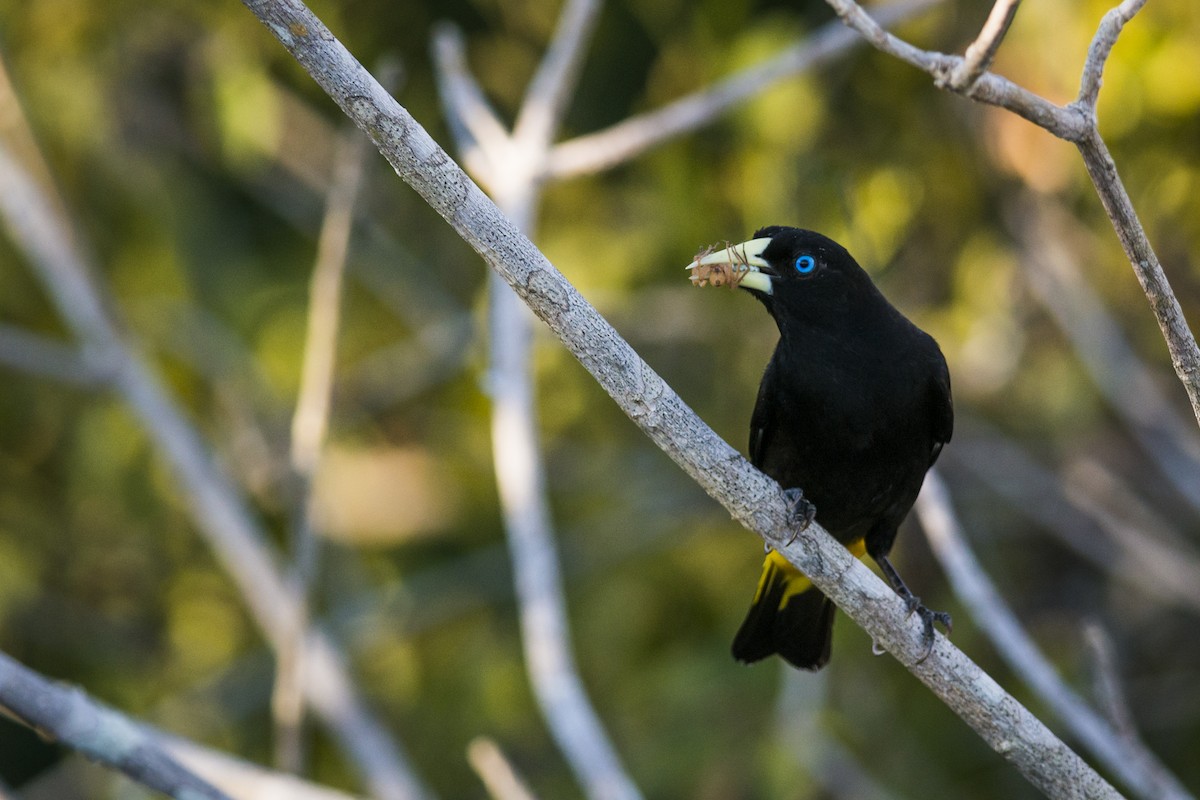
(796, 273)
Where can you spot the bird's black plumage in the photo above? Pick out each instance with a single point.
(852, 410)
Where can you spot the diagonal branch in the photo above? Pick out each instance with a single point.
(1127, 758)
(753, 499)
(623, 141)
(1181, 344)
(69, 716)
(219, 510)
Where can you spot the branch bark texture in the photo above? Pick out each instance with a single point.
(751, 497)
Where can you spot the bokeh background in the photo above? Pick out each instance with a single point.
(194, 156)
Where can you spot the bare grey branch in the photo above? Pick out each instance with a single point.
(1181, 344)
(1075, 123)
(1050, 265)
(1135, 765)
(519, 466)
(69, 716)
(1066, 123)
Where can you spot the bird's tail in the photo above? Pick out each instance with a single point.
(788, 616)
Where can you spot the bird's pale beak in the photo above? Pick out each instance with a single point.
(737, 265)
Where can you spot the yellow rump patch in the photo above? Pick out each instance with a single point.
(778, 568)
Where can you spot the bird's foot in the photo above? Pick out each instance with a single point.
(928, 618)
(801, 513)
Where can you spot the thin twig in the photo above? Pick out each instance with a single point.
(217, 507)
(1181, 344)
(1136, 767)
(979, 55)
(1099, 50)
(1066, 123)
(752, 498)
(1105, 680)
(496, 771)
(69, 716)
(631, 137)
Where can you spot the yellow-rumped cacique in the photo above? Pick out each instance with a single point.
(853, 409)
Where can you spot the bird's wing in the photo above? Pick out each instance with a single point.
(941, 405)
(762, 420)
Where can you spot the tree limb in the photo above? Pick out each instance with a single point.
(1099, 50)
(67, 715)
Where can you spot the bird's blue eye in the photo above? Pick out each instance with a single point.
(805, 264)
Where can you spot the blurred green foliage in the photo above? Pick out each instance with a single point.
(193, 155)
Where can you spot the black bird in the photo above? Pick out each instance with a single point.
(853, 409)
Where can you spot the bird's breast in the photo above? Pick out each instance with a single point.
(854, 437)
